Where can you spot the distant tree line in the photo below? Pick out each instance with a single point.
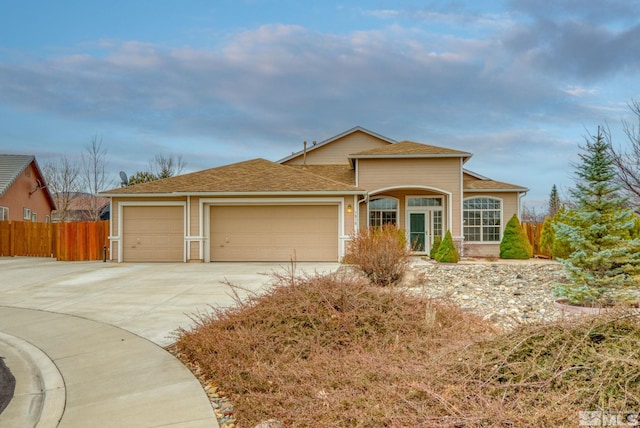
(70, 179)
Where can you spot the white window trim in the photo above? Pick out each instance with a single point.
(501, 220)
(34, 217)
(5, 213)
(383, 197)
(429, 209)
(26, 214)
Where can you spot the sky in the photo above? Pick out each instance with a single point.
(519, 83)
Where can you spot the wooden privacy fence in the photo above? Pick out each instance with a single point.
(77, 241)
(534, 232)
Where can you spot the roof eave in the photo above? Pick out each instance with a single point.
(397, 156)
(498, 190)
(274, 193)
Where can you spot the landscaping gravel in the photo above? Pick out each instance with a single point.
(505, 292)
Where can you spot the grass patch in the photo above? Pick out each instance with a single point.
(338, 351)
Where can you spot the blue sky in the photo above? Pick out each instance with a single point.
(518, 83)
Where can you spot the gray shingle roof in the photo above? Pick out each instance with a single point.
(11, 166)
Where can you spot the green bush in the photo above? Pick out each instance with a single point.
(515, 243)
(447, 252)
(381, 253)
(437, 240)
(547, 236)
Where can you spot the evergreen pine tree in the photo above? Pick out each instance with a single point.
(447, 252)
(604, 265)
(515, 243)
(554, 201)
(437, 240)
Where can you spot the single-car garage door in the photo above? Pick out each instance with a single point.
(274, 233)
(153, 234)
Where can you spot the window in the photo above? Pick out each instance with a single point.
(383, 211)
(425, 202)
(34, 217)
(481, 218)
(47, 219)
(26, 214)
(4, 213)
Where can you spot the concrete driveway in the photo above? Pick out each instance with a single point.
(150, 300)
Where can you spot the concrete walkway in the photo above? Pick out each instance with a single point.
(78, 338)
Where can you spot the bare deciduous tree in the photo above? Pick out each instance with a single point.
(627, 162)
(94, 177)
(531, 214)
(160, 166)
(63, 183)
(163, 166)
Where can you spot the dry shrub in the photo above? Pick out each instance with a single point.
(327, 351)
(337, 351)
(544, 375)
(381, 253)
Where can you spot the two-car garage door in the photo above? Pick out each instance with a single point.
(274, 233)
(237, 233)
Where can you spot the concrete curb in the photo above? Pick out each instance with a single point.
(106, 376)
(40, 391)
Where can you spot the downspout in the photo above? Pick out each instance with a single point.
(520, 195)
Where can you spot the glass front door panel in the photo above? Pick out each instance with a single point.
(417, 231)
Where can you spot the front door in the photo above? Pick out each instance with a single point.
(418, 231)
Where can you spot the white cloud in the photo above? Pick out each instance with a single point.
(579, 91)
(260, 89)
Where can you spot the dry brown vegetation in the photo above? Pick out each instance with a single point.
(337, 351)
(380, 253)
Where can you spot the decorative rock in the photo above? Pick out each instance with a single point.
(500, 294)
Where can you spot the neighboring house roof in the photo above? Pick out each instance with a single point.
(473, 182)
(86, 202)
(11, 166)
(252, 176)
(337, 137)
(405, 149)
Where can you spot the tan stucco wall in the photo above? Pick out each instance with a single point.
(337, 152)
(440, 175)
(17, 197)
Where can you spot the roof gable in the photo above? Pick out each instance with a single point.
(11, 166)
(317, 147)
(252, 176)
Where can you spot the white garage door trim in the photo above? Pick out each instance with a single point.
(121, 206)
(205, 205)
